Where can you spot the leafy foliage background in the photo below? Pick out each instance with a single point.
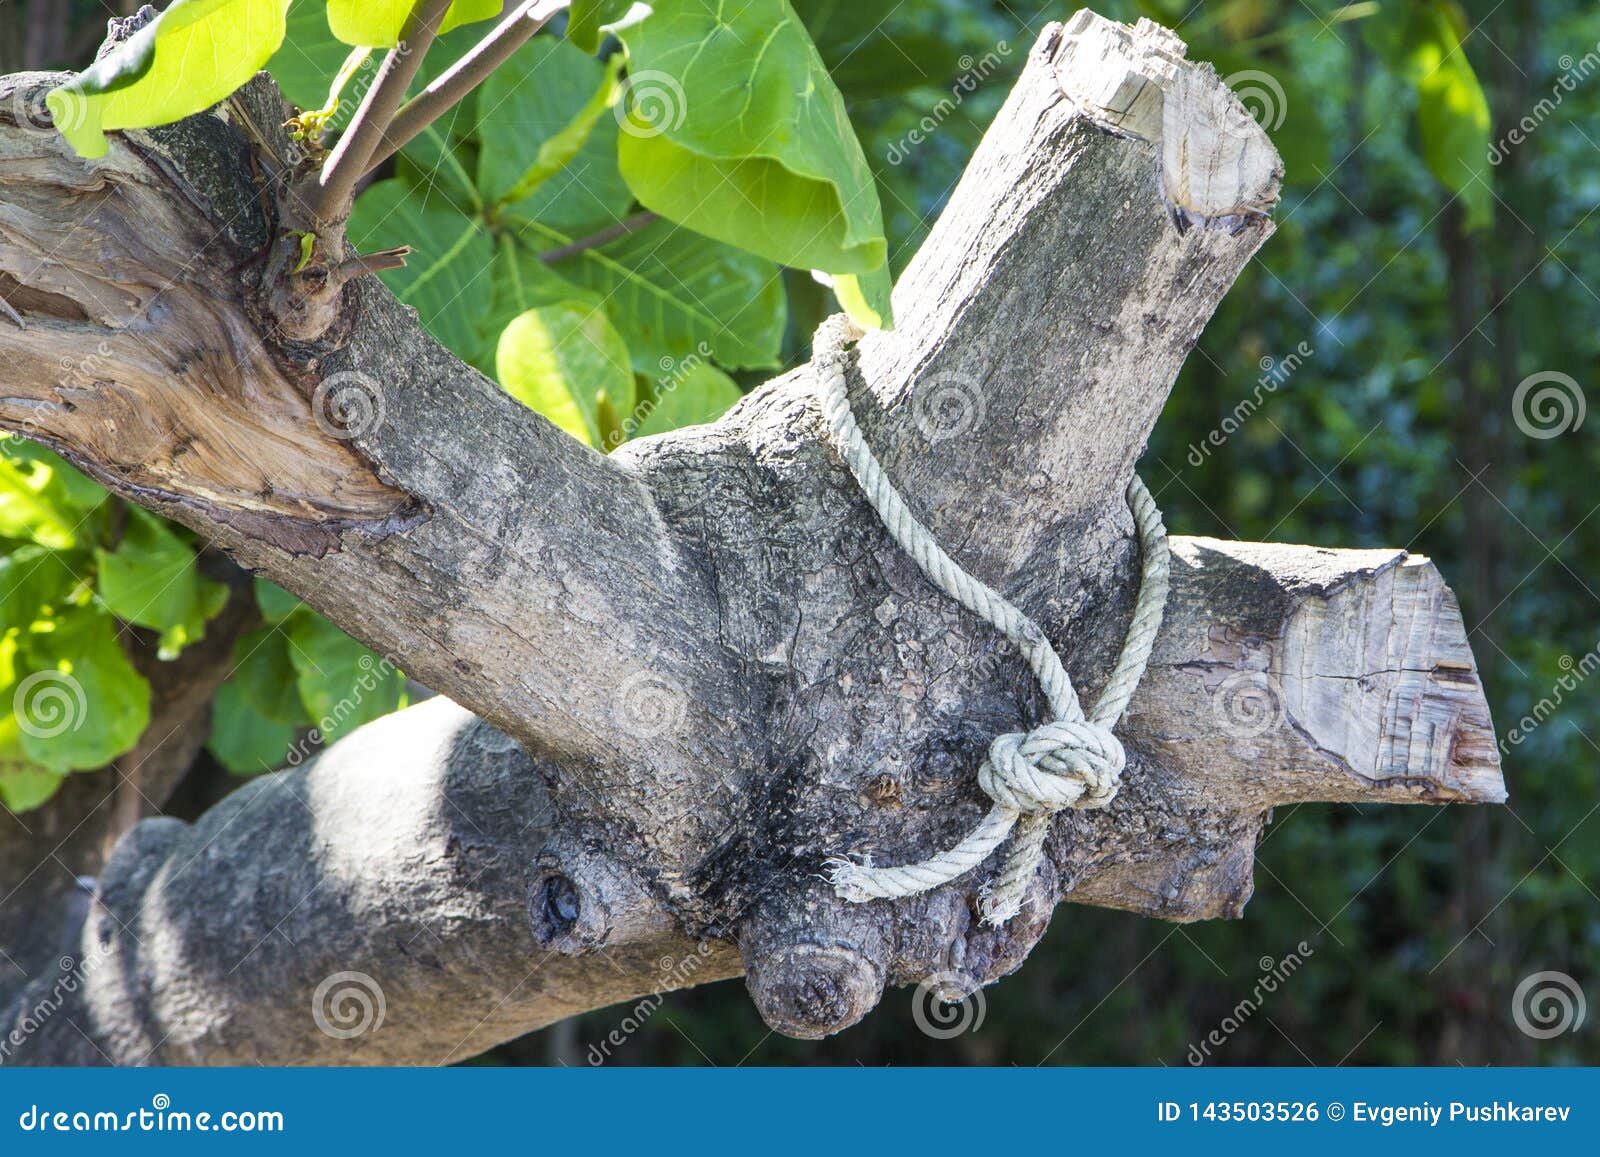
(1425, 281)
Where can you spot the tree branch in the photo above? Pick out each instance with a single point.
(428, 854)
(466, 74)
(352, 157)
(602, 237)
(721, 668)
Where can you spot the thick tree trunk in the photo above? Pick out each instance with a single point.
(698, 667)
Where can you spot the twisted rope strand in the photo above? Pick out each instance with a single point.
(1070, 760)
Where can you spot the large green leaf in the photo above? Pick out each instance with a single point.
(673, 294)
(308, 58)
(42, 499)
(569, 363)
(1452, 112)
(446, 279)
(184, 61)
(735, 129)
(33, 580)
(342, 684)
(245, 741)
(540, 112)
(22, 785)
(586, 18)
(265, 675)
(698, 393)
(78, 701)
(151, 579)
(380, 23)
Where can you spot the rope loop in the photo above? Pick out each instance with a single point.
(1060, 764)
(1069, 761)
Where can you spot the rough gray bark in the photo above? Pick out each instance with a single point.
(715, 668)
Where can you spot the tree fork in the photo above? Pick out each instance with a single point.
(698, 665)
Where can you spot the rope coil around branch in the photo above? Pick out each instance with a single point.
(1070, 761)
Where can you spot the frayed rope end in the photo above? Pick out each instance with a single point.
(849, 879)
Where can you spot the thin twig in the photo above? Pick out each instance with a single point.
(465, 75)
(364, 264)
(352, 156)
(621, 229)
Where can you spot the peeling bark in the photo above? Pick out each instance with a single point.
(698, 665)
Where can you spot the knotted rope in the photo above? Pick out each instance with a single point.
(1072, 760)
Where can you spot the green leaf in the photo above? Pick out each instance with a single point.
(184, 61)
(380, 23)
(265, 675)
(341, 683)
(42, 499)
(309, 58)
(151, 579)
(446, 278)
(33, 580)
(735, 129)
(276, 603)
(558, 150)
(543, 113)
(24, 786)
(244, 740)
(700, 393)
(673, 294)
(587, 18)
(1452, 112)
(569, 363)
(78, 701)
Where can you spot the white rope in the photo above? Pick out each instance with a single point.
(1070, 761)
